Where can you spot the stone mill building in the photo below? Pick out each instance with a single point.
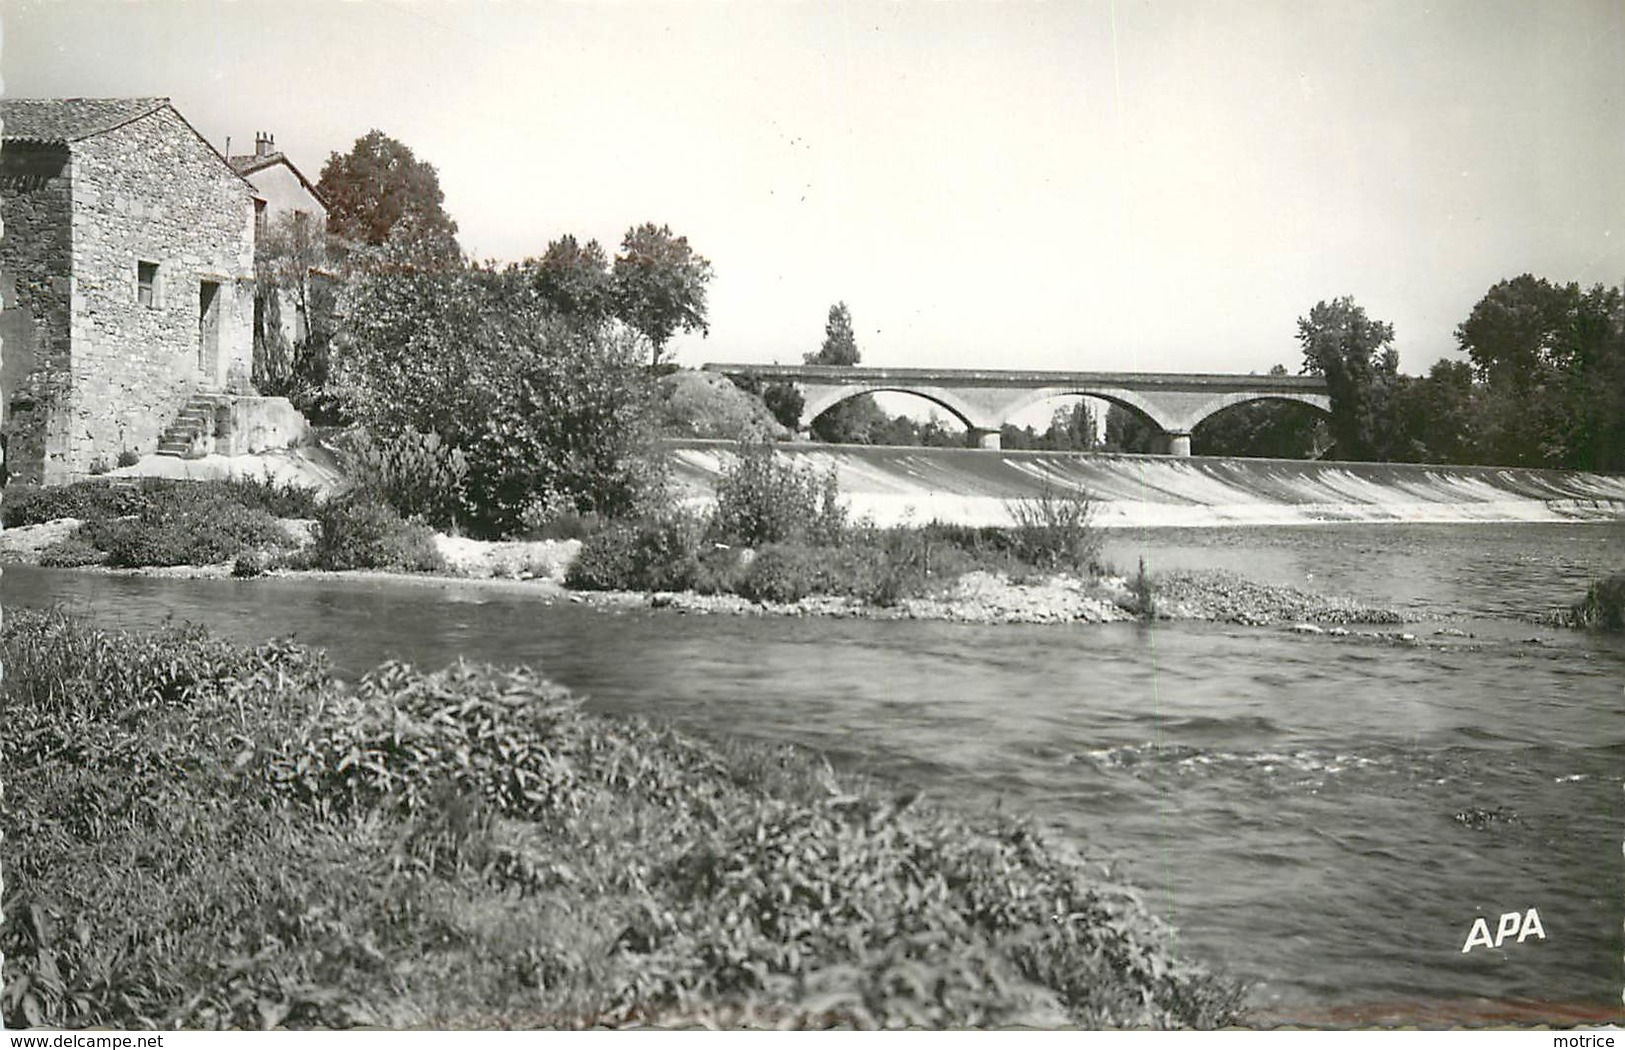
(127, 277)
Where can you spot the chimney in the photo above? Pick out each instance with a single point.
(264, 144)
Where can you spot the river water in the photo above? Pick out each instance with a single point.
(1289, 802)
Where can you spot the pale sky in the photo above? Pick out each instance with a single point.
(1156, 185)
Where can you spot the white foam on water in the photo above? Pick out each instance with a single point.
(894, 485)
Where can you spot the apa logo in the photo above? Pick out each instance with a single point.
(1526, 925)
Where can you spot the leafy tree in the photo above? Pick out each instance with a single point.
(575, 280)
(543, 411)
(840, 344)
(1435, 417)
(1128, 431)
(1071, 428)
(1513, 334)
(659, 284)
(380, 194)
(1552, 362)
(856, 420)
(1595, 436)
(1356, 356)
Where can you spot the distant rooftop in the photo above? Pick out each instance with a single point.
(63, 120)
(266, 155)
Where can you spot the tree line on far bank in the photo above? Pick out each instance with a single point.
(1543, 386)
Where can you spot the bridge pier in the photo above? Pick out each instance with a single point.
(981, 437)
(1179, 444)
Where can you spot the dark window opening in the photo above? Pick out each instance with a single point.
(208, 350)
(146, 283)
(259, 218)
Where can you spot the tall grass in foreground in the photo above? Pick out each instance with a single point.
(205, 835)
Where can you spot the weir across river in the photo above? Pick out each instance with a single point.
(985, 399)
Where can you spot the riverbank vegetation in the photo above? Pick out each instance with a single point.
(156, 521)
(1603, 606)
(204, 835)
(778, 533)
(1543, 385)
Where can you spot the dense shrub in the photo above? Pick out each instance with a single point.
(1603, 605)
(763, 498)
(1054, 530)
(789, 572)
(721, 569)
(281, 499)
(536, 404)
(91, 500)
(878, 566)
(795, 522)
(708, 405)
(184, 532)
(84, 500)
(72, 552)
(361, 533)
(416, 473)
(553, 516)
(657, 553)
(250, 564)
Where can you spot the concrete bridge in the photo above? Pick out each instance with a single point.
(985, 399)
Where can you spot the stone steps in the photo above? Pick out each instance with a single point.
(195, 419)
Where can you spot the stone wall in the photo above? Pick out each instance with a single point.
(36, 287)
(245, 425)
(153, 191)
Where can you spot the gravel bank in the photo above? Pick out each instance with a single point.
(1217, 595)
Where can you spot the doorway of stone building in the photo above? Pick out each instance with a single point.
(208, 348)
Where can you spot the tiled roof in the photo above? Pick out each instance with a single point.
(70, 119)
(248, 163)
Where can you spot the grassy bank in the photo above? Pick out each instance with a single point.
(204, 835)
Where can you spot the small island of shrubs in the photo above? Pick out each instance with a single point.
(778, 533)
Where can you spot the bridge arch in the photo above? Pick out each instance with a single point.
(1220, 402)
(820, 399)
(1125, 398)
(1264, 427)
